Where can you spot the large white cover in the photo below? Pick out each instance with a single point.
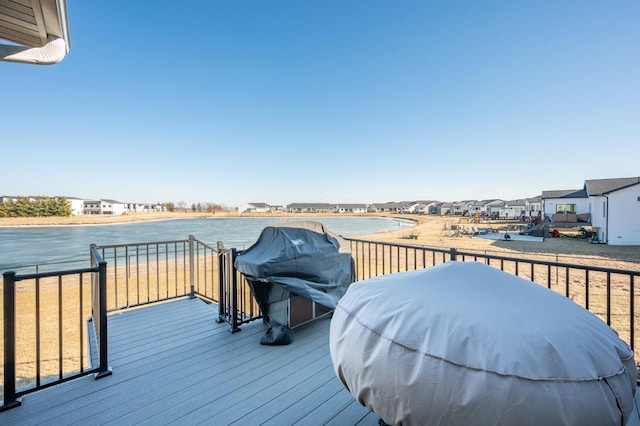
(464, 343)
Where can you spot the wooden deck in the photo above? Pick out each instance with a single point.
(173, 364)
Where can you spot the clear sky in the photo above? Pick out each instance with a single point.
(362, 101)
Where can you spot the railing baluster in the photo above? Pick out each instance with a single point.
(608, 298)
(632, 311)
(586, 289)
(80, 322)
(60, 320)
(191, 266)
(38, 334)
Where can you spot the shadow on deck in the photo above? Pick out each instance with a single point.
(172, 363)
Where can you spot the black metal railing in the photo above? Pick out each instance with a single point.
(606, 292)
(235, 306)
(43, 359)
(145, 273)
(150, 272)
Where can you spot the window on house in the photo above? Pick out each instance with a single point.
(565, 208)
(604, 209)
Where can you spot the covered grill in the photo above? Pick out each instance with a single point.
(297, 271)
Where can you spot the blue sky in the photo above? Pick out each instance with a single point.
(327, 101)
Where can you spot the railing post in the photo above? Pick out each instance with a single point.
(10, 400)
(234, 292)
(221, 295)
(454, 253)
(192, 262)
(102, 285)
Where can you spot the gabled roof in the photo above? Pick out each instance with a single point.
(565, 193)
(605, 186)
(37, 29)
(259, 205)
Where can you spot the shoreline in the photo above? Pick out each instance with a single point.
(426, 231)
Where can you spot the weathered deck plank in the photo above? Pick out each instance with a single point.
(172, 363)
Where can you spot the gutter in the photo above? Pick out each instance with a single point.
(51, 53)
(55, 24)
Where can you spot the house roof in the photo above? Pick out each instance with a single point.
(37, 30)
(605, 186)
(259, 205)
(311, 206)
(565, 193)
(391, 205)
(352, 206)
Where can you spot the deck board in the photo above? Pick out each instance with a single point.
(174, 364)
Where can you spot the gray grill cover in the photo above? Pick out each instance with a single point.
(464, 343)
(302, 258)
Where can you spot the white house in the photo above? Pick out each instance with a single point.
(614, 205)
(412, 207)
(533, 207)
(429, 207)
(565, 201)
(104, 207)
(514, 209)
(77, 205)
(255, 208)
(351, 208)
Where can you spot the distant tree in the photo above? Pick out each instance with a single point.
(37, 207)
(170, 207)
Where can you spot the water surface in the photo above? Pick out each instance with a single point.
(24, 246)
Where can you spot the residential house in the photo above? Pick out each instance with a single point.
(311, 208)
(77, 205)
(391, 207)
(111, 207)
(533, 207)
(461, 208)
(614, 207)
(555, 202)
(514, 209)
(411, 207)
(351, 208)
(496, 209)
(255, 208)
(446, 209)
(429, 207)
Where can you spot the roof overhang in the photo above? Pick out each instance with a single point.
(37, 31)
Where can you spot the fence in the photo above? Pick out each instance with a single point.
(43, 356)
(145, 273)
(608, 293)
